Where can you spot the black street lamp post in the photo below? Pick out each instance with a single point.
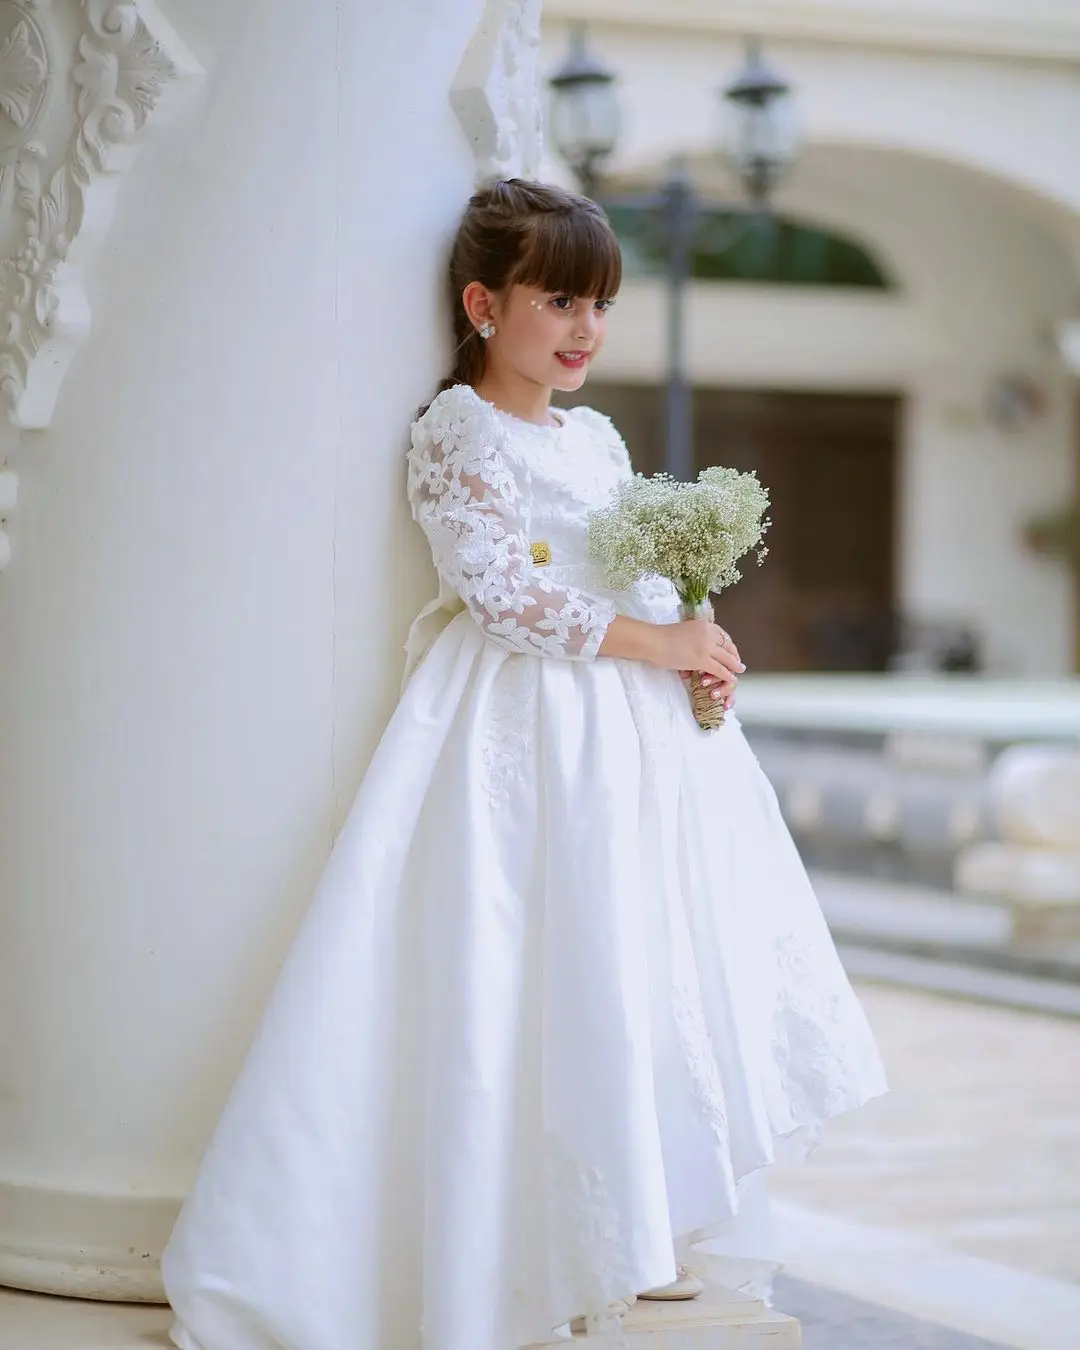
(584, 122)
(584, 127)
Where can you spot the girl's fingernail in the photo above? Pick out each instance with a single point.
(741, 668)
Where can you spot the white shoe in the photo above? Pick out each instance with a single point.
(685, 1287)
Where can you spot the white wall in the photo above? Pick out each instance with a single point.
(985, 272)
(213, 574)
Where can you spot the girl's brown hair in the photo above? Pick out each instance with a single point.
(531, 234)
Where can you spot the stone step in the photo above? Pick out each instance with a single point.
(706, 1323)
(44, 1322)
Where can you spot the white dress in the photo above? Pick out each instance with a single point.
(564, 985)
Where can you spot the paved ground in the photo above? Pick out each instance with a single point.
(832, 1321)
(977, 1146)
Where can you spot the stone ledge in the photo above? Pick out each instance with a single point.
(700, 1324)
(976, 707)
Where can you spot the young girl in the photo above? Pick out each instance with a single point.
(564, 986)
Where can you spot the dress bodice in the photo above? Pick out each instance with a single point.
(505, 505)
(566, 472)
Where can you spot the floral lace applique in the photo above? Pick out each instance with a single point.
(509, 729)
(591, 1247)
(582, 464)
(815, 1053)
(607, 436)
(697, 1045)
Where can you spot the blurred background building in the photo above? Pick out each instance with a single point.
(894, 349)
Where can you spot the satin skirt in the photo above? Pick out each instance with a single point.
(563, 991)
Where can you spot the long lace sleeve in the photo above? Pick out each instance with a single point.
(466, 497)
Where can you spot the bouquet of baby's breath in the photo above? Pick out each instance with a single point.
(691, 533)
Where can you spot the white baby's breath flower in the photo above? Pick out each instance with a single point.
(691, 533)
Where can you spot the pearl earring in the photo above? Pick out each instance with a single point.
(488, 329)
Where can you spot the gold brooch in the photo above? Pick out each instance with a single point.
(541, 554)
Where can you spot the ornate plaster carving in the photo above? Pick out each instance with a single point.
(59, 159)
(79, 80)
(496, 92)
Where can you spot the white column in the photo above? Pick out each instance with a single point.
(212, 572)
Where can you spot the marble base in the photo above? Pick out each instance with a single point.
(83, 1245)
(47, 1322)
(705, 1323)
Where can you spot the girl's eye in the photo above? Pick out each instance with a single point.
(566, 302)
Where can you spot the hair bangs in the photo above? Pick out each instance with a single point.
(572, 252)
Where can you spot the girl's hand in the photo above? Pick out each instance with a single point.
(699, 645)
(724, 689)
(691, 645)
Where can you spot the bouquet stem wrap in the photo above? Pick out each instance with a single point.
(708, 711)
(691, 533)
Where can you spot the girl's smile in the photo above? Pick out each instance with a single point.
(573, 360)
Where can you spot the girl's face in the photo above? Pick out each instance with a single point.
(546, 337)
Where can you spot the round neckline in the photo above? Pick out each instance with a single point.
(560, 413)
